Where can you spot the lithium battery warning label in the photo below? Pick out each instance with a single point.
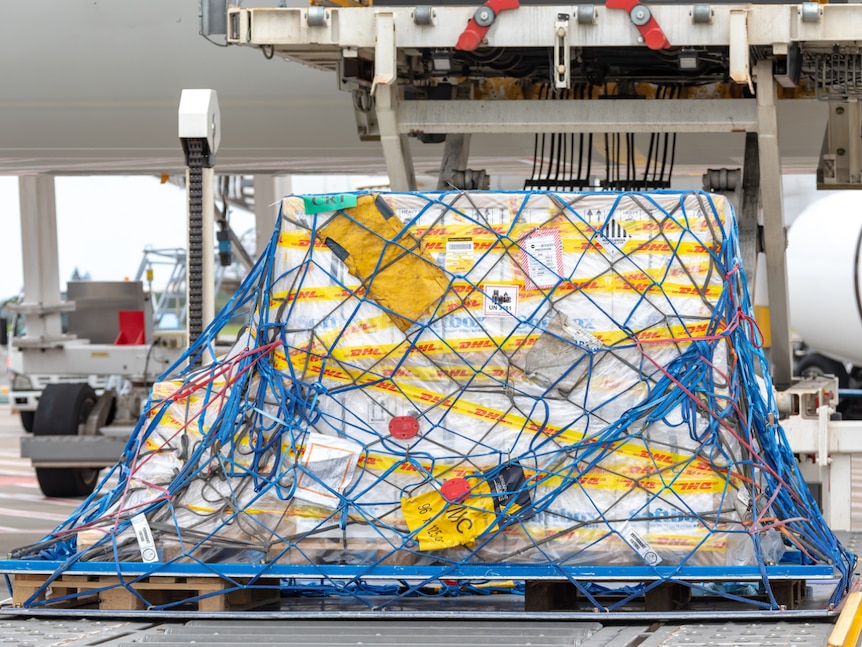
(613, 237)
(501, 300)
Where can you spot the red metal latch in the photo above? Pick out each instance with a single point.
(645, 22)
(481, 21)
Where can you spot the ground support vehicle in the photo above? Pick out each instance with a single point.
(95, 319)
(100, 364)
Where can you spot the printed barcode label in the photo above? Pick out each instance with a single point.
(459, 245)
(145, 538)
(640, 546)
(459, 255)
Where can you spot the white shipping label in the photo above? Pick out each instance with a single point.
(144, 535)
(459, 255)
(640, 546)
(329, 464)
(542, 257)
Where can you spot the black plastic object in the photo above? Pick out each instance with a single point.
(814, 364)
(27, 419)
(62, 409)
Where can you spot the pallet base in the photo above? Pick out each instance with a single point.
(544, 595)
(106, 592)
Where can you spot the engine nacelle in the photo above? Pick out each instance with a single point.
(824, 273)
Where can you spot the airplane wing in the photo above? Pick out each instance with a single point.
(95, 88)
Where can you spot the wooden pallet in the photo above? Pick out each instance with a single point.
(108, 593)
(551, 595)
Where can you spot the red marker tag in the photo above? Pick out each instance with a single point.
(403, 427)
(455, 490)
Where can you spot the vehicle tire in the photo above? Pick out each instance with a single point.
(27, 418)
(814, 364)
(62, 409)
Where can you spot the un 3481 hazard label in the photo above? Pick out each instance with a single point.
(500, 300)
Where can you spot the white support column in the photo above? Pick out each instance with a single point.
(396, 148)
(774, 233)
(836, 492)
(42, 302)
(264, 196)
(268, 190)
(456, 153)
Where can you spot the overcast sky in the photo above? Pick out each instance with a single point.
(103, 225)
(105, 222)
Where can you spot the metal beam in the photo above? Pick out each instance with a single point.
(750, 209)
(396, 149)
(288, 31)
(73, 451)
(79, 358)
(597, 116)
(774, 232)
(844, 436)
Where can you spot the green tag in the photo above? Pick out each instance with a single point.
(330, 202)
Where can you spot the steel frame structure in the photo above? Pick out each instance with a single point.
(323, 37)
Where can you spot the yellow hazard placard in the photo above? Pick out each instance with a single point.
(436, 523)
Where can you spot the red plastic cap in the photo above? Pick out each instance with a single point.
(474, 33)
(403, 427)
(650, 31)
(455, 490)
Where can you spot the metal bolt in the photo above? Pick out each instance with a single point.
(839, 110)
(840, 151)
(640, 15)
(484, 16)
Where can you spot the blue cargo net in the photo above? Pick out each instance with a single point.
(454, 390)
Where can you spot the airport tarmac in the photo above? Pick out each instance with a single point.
(26, 515)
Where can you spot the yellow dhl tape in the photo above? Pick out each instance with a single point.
(604, 539)
(565, 225)
(463, 407)
(472, 297)
(630, 467)
(641, 237)
(316, 351)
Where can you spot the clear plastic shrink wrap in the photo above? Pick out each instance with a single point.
(456, 378)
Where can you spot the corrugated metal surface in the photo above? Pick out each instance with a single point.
(55, 632)
(761, 634)
(408, 634)
(33, 632)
